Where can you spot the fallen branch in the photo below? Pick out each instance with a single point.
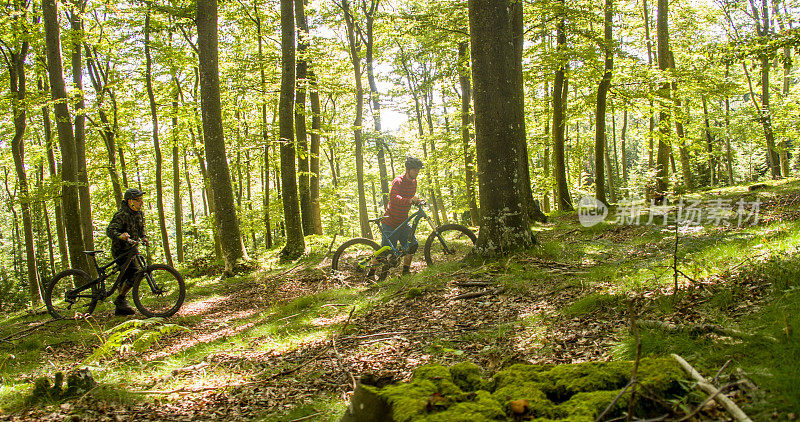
(705, 402)
(704, 385)
(473, 283)
(473, 295)
(305, 418)
(188, 369)
(26, 332)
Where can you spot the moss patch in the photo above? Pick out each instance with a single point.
(574, 392)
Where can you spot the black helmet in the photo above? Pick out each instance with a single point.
(413, 162)
(133, 193)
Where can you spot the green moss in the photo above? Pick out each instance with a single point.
(572, 393)
(467, 376)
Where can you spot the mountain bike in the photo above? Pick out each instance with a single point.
(158, 289)
(369, 260)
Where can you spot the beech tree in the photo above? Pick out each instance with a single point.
(213, 135)
(499, 127)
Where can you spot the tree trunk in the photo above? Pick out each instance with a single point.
(162, 220)
(763, 29)
(623, 138)
(712, 161)
(264, 131)
(61, 234)
(369, 15)
(728, 148)
(66, 138)
(466, 122)
(80, 133)
(559, 122)
(295, 244)
(213, 136)
(664, 149)
(500, 133)
(19, 116)
(301, 87)
(316, 128)
(176, 173)
(680, 116)
(651, 110)
(600, 123)
(363, 217)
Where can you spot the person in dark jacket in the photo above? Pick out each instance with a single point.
(126, 225)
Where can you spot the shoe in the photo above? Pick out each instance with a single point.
(122, 307)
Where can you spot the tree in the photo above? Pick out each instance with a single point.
(664, 149)
(66, 138)
(301, 132)
(466, 122)
(563, 201)
(213, 136)
(15, 60)
(162, 220)
(295, 244)
(602, 91)
(355, 58)
(499, 129)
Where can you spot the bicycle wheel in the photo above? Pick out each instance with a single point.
(356, 257)
(449, 242)
(61, 300)
(159, 291)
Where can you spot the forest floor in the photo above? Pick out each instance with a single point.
(285, 342)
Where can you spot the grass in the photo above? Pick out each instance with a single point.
(593, 269)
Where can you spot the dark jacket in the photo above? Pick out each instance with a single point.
(128, 221)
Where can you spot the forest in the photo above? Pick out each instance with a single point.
(624, 173)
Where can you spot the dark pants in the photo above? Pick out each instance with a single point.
(128, 277)
(403, 235)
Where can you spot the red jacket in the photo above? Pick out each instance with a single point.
(403, 190)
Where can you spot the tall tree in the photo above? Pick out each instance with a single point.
(213, 136)
(162, 220)
(61, 234)
(355, 57)
(15, 60)
(66, 138)
(664, 149)
(602, 90)
(499, 129)
(763, 30)
(301, 131)
(295, 244)
(313, 154)
(370, 9)
(563, 201)
(76, 22)
(177, 203)
(466, 122)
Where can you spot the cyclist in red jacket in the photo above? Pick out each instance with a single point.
(401, 197)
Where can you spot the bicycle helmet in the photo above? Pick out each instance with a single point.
(413, 162)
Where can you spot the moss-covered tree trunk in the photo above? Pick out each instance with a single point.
(499, 129)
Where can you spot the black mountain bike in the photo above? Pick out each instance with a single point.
(367, 259)
(158, 290)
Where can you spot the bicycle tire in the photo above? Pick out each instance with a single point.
(159, 304)
(459, 239)
(350, 253)
(55, 295)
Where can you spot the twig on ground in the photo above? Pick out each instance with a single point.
(616, 399)
(305, 418)
(705, 402)
(191, 368)
(704, 385)
(716, 377)
(473, 283)
(473, 295)
(26, 332)
(330, 247)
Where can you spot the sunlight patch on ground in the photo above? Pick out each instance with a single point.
(194, 340)
(325, 321)
(202, 306)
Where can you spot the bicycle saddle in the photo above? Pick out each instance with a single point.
(92, 253)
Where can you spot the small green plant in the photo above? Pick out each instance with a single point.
(135, 334)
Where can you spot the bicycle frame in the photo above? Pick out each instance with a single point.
(418, 215)
(102, 276)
